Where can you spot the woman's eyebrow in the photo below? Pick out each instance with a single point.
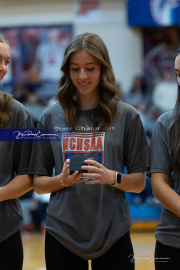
(8, 58)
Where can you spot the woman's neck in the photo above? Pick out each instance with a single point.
(88, 106)
(87, 103)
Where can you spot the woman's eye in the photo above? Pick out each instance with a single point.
(77, 69)
(7, 62)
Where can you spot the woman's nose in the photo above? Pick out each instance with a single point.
(82, 75)
(2, 66)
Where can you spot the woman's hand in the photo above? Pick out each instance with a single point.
(98, 171)
(72, 179)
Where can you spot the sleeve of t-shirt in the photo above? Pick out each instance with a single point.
(136, 150)
(42, 160)
(159, 151)
(22, 151)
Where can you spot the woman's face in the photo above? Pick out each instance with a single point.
(177, 68)
(4, 59)
(85, 70)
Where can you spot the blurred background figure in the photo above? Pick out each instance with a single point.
(137, 93)
(26, 205)
(161, 56)
(20, 92)
(48, 60)
(165, 92)
(38, 211)
(30, 39)
(139, 98)
(34, 107)
(49, 56)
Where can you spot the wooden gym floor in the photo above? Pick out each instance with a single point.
(143, 243)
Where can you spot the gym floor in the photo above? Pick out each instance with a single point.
(143, 243)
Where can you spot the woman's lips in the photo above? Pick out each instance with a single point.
(84, 83)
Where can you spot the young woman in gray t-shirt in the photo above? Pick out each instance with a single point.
(14, 178)
(89, 220)
(165, 179)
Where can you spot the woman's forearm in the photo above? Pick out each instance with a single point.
(164, 193)
(134, 182)
(16, 187)
(46, 184)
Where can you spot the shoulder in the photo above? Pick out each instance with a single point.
(17, 106)
(126, 110)
(126, 116)
(17, 109)
(19, 115)
(166, 119)
(52, 111)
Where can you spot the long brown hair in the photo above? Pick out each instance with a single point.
(5, 100)
(175, 131)
(108, 94)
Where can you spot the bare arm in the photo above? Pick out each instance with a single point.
(47, 184)
(16, 187)
(164, 193)
(134, 182)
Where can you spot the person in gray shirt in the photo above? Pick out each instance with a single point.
(88, 215)
(14, 178)
(165, 179)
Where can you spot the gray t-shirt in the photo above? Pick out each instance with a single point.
(89, 219)
(168, 229)
(14, 160)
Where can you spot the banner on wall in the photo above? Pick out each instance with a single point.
(36, 58)
(153, 12)
(160, 45)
